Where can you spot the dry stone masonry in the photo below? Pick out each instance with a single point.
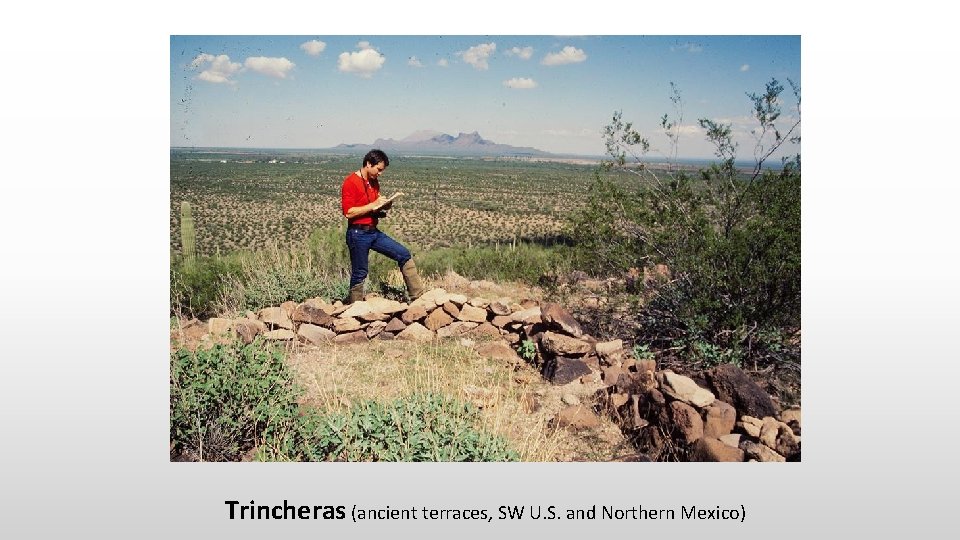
(722, 416)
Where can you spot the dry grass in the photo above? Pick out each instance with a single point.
(516, 404)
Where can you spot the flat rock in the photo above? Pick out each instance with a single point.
(456, 328)
(386, 306)
(577, 417)
(280, 334)
(684, 389)
(501, 320)
(431, 299)
(527, 316)
(470, 313)
(562, 345)
(710, 449)
(484, 330)
(559, 318)
(314, 334)
(457, 299)
(479, 302)
(341, 326)
(358, 337)
(608, 348)
(414, 313)
(357, 309)
(416, 332)
(276, 316)
(313, 314)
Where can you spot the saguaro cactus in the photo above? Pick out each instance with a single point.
(188, 235)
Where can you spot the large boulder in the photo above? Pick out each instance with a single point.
(558, 318)
(563, 370)
(735, 387)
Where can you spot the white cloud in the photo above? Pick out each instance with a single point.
(525, 53)
(689, 47)
(478, 55)
(413, 61)
(272, 67)
(569, 55)
(745, 67)
(314, 47)
(219, 70)
(364, 62)
(443, 62)
(520, 82)
(689, 130)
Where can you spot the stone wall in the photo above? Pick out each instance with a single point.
(722, 416)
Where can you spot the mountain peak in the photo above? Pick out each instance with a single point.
(435, 142)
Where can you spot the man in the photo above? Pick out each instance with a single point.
(363, 206)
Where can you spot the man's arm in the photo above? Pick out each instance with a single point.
(358, 211)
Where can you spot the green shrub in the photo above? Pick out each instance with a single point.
(229, 399)
(422, 427)
(197, 286)
(730, 238)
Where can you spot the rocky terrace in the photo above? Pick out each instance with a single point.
(717, 415)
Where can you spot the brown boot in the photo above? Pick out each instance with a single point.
(356, 294)
(412, 278)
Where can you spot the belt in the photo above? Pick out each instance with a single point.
(362, 227)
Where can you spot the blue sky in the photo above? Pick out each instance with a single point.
(552, 93)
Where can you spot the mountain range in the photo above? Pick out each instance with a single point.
(437, 143)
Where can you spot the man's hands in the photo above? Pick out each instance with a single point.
(383, 203)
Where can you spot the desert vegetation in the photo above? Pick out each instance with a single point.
(692, 267)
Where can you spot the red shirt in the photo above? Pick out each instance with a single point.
(358, 192)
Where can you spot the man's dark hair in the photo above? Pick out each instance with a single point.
(375, 157)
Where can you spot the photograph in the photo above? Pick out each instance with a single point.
(485, 248)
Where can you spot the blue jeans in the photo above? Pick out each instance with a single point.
(360, 242)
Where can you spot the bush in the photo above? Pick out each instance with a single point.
(730, 238)
(198, 285)
(422, 427)
(229, 399)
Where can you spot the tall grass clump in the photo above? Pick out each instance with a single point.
(525, 262)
